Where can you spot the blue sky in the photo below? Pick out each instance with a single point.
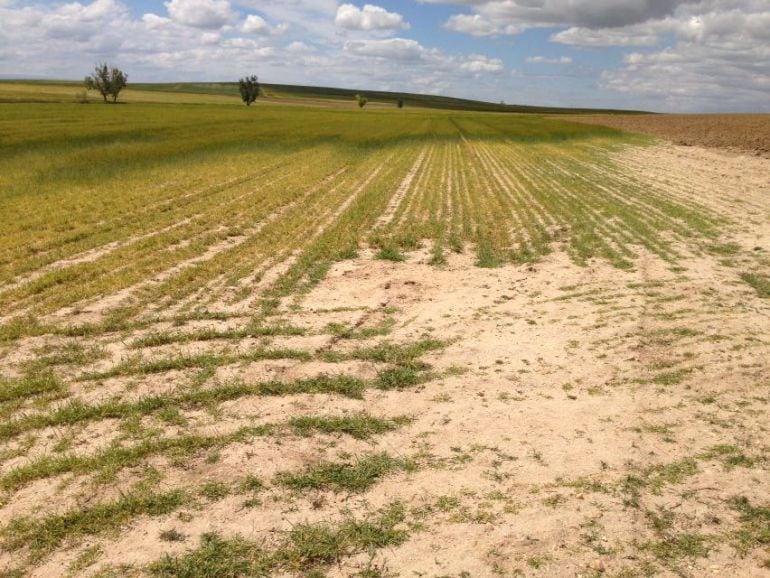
(666, 55)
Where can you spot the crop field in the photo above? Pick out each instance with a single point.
(295, 341)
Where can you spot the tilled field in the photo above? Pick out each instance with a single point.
(482, 350)
(745, 133)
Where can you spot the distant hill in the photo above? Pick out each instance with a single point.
(36, 90)
(283, 91)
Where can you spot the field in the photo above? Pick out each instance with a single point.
(227, 93)
(744, 133)
(302, 341)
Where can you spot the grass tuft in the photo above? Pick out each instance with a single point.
(761, 283)
(359, 426)
(357, 476)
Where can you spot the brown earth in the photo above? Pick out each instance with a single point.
(737, 132)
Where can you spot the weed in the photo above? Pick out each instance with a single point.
(760, 283)
(357, 476)
(359, 426)
(306, 548)
(47, 533)
(390, 253)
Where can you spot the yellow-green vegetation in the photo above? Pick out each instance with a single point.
(98, 199)
(165, 382)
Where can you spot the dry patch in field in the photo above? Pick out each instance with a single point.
(409, 415)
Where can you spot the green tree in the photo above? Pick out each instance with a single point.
(400, 103)
(249, 89)
(108, 81)
(361, 100)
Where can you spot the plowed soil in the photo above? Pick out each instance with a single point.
(738, 132)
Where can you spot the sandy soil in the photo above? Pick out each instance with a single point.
(570, 429)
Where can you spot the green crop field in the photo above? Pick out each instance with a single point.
(302, 340)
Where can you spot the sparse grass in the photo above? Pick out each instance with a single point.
(760, 283)
(157, 339)
(390, 253)
(359, 426)
(730, 456)
(204, 215)
(139, 366)
(671, 377)
(42, 535)
(355, 476)
(214, 490)
(307, 547)
(397, 354)
(754, 531)
(32, 384)
(673, 548)
(116, 457)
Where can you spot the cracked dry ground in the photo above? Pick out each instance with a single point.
(408, 419)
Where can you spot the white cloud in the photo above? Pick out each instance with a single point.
(546, 60)
(368, 18)
(206, 14)
(698, 55)
(255, 25)
(626, 36)
(391, 49)
(477, 25)
(720, 60)
(298, 47)
(476, 63)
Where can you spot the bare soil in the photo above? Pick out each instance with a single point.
(571, 429)
(748, 133)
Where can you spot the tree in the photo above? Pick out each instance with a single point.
(400, 103)
(108, 81)
(249, 89)
(361, 100)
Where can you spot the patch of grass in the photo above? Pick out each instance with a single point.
(138, 366)
(390, 253)
(115, 458)
(209, 334)
(43, 535)
(216, 557)
(355, 476)
(30, 385)
(730, 456)
(344, 332)
(172, 535)
(340, 384)
(755, 524)
(661, 475)
(170, 404)
(359, 426)
(730, 248)
(672, 549)
(306, 549)
(760, 283)
(251, 484)
(399, 378)
(671, 377)
(214, 491)
(69, 354)
(87, 558)
(397, 353)
(488, 258)
(655, 478)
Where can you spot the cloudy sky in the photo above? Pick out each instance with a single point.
(665, 55)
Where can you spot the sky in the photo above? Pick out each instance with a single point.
(662, 55)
